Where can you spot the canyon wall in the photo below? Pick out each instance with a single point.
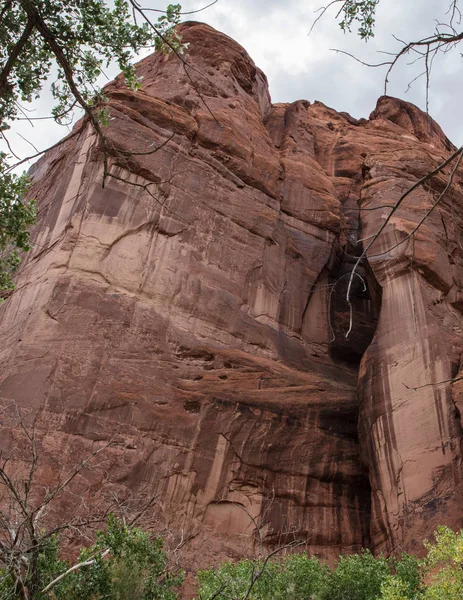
(193, 311)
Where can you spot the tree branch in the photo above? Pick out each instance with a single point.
(85, 563)
(50, 38)
(14, 54)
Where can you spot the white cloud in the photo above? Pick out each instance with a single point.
(275, 35)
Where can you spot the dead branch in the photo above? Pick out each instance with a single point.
(52, 147)
(445, 38)
(51, 496)
(419, 387)
(350, 306)
(186, 66)
(187, 12)
(251, 518)
(427, 213)
(458, 153)
(76, 567)
(323, 9)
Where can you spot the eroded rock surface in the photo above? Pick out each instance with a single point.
(194, 311)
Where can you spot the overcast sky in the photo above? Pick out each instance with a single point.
(275, 34)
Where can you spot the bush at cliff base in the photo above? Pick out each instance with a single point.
(126, 564)
(129, 564)
(355, 577)
(296, 576)
(442, 568)
(299, 577)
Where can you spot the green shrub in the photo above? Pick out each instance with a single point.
(393, 588)
(297, 576)
(300, 577)
(125, 564)
(357, 577)
(233, 580)
(446, 553)
(406, 582)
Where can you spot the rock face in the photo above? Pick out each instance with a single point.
(194, 310)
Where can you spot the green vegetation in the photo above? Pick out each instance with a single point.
(355, 577)
(16, 216)
(295, 576)
(360, 12)
(124, 564)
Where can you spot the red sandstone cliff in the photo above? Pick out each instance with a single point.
(196, 320)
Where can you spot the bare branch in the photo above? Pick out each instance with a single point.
(373, 65)
(27, 141)
(188, 12)
(63, 141)
(76, 567)
(427, 213)
(254, 522)
(264, 565)
(419, 387)
(2, 134)
(73, 475)
(186, 65)
(397, 205)
(323, 9)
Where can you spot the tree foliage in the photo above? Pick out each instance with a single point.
(64, 46)
(16, 216)
(295, 576)
(80, 39)
(439, 576)
(299, 577)
(445, 555)
(357, 577)
(125, 563)
(361, 13)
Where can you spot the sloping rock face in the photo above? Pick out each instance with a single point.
(193, 310)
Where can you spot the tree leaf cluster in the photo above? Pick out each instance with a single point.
(439, 576)
(360, 12)
(16, 217)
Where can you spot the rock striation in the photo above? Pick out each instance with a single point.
(194, 310)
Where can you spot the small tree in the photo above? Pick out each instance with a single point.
(357, 577)
(124, 563)
(446, 553)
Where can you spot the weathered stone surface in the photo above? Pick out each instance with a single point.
(189, 311)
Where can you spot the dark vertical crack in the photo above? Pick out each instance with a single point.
(366, 305)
